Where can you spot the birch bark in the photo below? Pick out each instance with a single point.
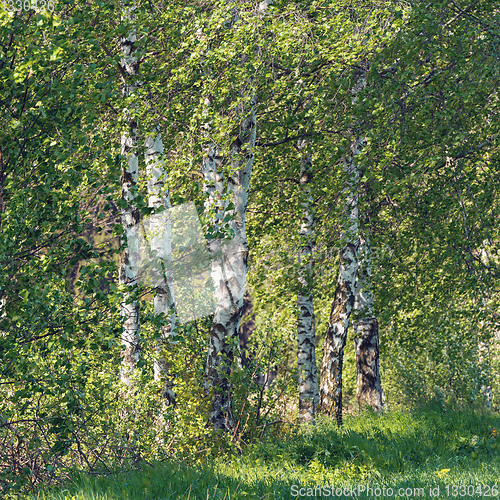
(368, 385)
(306, 353)
(345, 291)
(164, 300)
(229, 266)
(343, 302)
(130, 215)
(229, 257)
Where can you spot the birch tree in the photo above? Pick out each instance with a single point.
(161, 249)
(366, 341)
(229, 270)
(158, 198)
(306, 354)
(345, 291)
(343, 301)
(130, 214)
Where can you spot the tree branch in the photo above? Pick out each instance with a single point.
(120, 68)
(283, 141)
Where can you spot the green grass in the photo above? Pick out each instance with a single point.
(425, 449)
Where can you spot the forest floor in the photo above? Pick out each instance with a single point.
(428, 453)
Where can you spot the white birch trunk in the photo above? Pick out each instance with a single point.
(306, 353)
(230, 270)
(130, 216)
(368, 385)
(3, 300)
(345, 291)
(343, 302)
(164, 299)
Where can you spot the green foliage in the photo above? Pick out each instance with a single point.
(430, 204)
(430, 193)
(264, 405)
(53, 343)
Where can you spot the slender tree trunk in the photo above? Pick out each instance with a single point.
(2, 180)
(130, 215)
(306, 354)
(345, 291)
(368, 384)
(164, 299)
(3, 300)
(229, 257)
(343, 302)
(229, 271)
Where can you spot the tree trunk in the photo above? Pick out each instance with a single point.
(130, 216)
(368, 385)
(306, 354)
(229, 257)
(161, 246)
(345, 291)
(336, 334)
(343, 302)
(229, 267)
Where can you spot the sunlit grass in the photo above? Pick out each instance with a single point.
(425, 449)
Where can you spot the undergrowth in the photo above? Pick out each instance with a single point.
(409, 454)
